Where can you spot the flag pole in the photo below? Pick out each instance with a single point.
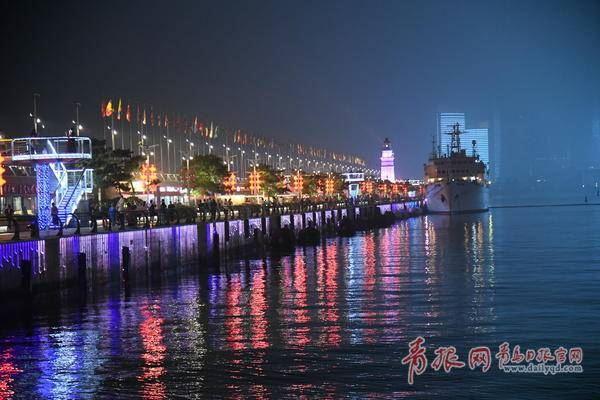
(112, 130)
(77, 105)
(130, 130)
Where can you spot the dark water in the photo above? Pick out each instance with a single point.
(334, 321)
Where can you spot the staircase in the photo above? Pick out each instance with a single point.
(78, 182)
(67, 205)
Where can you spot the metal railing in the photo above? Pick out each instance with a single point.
(51, 148)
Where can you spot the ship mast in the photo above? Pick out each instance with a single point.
(455, 142)
(434, 151)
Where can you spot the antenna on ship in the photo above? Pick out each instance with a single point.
(474, 143)
(455, 142)
(434, 152)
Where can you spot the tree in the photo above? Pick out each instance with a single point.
(113, 168)
(206, 174)
(271, 180)
(313, 184)
(316, 183)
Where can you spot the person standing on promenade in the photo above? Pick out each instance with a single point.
(213, 209)
(163, 212)
(55, 218)
(121, 212)
(202, 209)
(7, 216)
(112, 216)
(152, 210)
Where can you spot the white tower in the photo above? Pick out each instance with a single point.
(387, 162)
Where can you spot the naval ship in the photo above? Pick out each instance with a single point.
(456, 182)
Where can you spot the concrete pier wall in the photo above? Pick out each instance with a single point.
(48, 264)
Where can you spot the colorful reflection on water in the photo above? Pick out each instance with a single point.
(328, 321)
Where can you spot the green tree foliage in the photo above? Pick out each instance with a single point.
(206, 174)
(113, 168)
(314, 184)
(271, 181)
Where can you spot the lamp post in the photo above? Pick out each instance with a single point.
(242, 169)
(36, 120)
(169, 141)
(77, 126)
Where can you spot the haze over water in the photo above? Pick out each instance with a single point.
(334, 320)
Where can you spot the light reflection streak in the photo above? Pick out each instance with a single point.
(329, 267)
(390, 283)
(69, 357)
(300, 303)
(258, 309)
(369, 290)
(153, 369)
(234, 326)
(8, 372)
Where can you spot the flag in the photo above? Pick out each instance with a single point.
(158, 120)
(108, 111)
(151, 116)
(128, 113)
(119, 109)
(195, 127)
(103, 109)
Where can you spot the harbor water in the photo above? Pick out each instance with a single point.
(330, 321)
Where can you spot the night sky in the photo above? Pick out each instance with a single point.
(342, 74)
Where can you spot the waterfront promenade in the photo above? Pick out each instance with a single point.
(81, 223)
(53, 262)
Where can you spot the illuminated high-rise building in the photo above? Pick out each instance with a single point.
(480, 135)
(496, 148)
(387, 162)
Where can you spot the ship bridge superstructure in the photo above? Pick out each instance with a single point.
(457, 165)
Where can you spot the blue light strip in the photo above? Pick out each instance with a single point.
(44, 195)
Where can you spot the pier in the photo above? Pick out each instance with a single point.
(53, 263)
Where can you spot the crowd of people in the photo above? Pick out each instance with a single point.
(132, 212)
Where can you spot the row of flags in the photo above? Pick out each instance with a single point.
(145, 117)
(243, 138)
(148, 117)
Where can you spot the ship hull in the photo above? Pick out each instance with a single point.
(457, 197)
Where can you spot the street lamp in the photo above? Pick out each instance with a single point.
(169, 141)
(242, 166)
(114, 133)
